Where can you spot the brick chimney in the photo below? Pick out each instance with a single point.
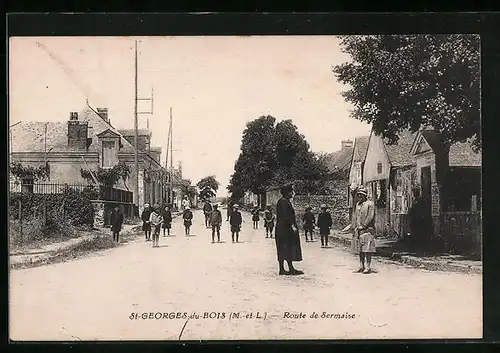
(347, 143)
(77, 132)
(103, 113)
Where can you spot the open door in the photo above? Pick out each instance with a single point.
(425, 181)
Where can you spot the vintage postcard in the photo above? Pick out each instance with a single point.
(245, 188)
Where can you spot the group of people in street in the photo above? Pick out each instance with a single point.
(283, 225)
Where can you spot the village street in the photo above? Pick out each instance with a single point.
(110, 295)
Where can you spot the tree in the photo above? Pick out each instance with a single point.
(208, 187)
(399, 82)
(271, 155)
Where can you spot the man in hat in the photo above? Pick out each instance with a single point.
(255, 217)
(235, 222)
(146, 226)
(364, 228)
(287, 233)
(269, 221)
(187, 216)
(156, 220)
(324, 225)
(215, 222)
(308, 222)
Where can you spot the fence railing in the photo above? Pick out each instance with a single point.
(105, 193)
(463, 230)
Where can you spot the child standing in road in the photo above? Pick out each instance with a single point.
(269, 221)
(146, 226)
(324, 225)
(167, 219)
(187, 216)
(308, 222)
(255, 217)
(156, 220)
(116, 223)
(215, 222)
(235, 221)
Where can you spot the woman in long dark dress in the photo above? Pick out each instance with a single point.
(287, 234)
(167, 219)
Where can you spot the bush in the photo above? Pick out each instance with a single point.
(71, 205)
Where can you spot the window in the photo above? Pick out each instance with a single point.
(379, 168)
(108, 154)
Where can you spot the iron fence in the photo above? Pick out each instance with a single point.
(105, 193)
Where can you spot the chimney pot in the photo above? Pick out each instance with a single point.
(73, 116)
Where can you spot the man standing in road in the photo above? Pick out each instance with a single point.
(146, 226)
(207, 210)
(287, 233)
(364, 228)
(324, 225)
(185, 203)
(235, 222)
(116, 223)
(215, 222)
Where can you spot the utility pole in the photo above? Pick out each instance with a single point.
(171, 160)
(136, 130)
(136, 138)
(167, 187)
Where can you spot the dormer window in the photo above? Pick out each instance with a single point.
(109, 148)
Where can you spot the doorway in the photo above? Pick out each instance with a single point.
(425, 181)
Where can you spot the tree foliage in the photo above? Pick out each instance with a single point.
(208, 187)
(107, 177)
(272, 154)
(29, 172)
(401, 82)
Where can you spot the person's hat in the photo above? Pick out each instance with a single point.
(146, 205)
(269, 206)
(286, 188)
(187, 208)
(323, 206)
(362, 191)
(236, 206)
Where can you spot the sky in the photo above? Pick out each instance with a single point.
(214, 85)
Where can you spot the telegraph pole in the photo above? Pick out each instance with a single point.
(136, 138)
(136, 130)
(171, 161)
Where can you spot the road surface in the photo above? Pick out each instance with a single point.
(191, 289)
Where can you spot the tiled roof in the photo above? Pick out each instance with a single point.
(131, 132)
(462, 155)
(360, 147)
(399, 153)
(155, 149)
(30, 136)
(339, 160)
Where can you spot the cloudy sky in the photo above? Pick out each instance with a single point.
(213, 84)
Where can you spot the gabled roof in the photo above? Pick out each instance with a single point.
(30, 136)
(339, 160)
(399, 153)
(108, 133)
(360, 148)
(462, 155)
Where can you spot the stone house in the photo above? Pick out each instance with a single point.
(356, 170)
(87, 140)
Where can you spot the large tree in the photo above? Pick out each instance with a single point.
(208, 187)
(401, 82)
(273, 154)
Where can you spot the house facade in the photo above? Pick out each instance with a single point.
(356, 170)
(449, 181)
(385, 167)
(86, 141)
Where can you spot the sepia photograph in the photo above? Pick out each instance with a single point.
(166, 188)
